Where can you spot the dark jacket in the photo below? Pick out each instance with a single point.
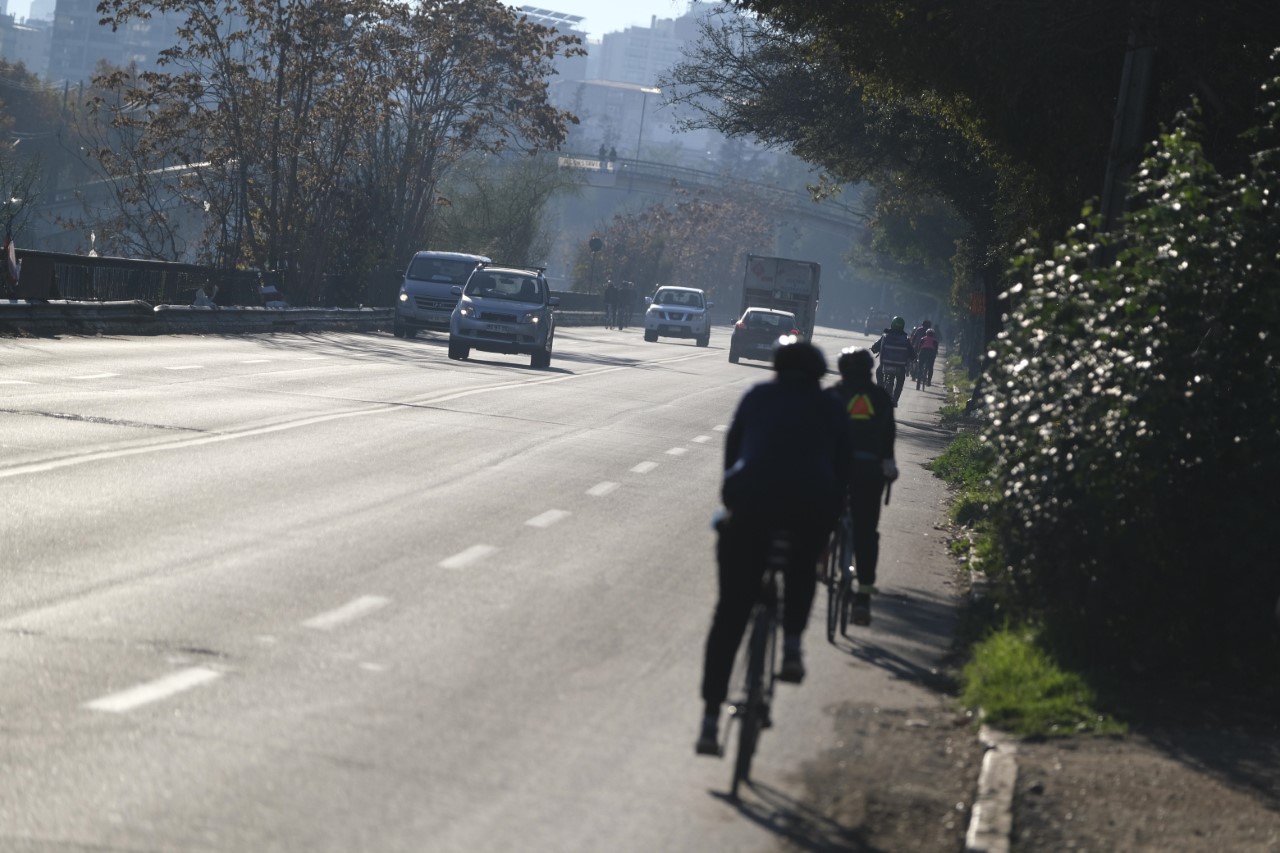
(786, 453)
(894, 348)
(868, 417)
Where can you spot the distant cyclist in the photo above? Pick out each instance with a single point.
(786, 459)
(916, 334)
(926, 354)
(869, 418)
(895, 354)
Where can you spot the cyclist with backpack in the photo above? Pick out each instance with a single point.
(926, 354)
(895, 353)
(786, 459)
(869, 419)
(916, 334)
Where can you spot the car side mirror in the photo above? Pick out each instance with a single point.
(648, 300)
(456, 290)
(553, 301)
(710, 305)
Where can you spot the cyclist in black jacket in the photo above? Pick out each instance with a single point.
(869, 417)
(786, 456)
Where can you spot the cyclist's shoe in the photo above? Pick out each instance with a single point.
(792, 670)
(709, 739)
(861, 611)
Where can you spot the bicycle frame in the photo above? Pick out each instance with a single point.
(751, 711)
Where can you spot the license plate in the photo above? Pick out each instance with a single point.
(494, 327)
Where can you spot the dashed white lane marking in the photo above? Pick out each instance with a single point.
(154, 691)
(599, 490)
(362, 606)
(720, 427)
(644, 467)
(256, 361)
(548, 518)
(313, 358)
(701, 439)
(184, 367)
(14, 382)
(678, 451)
(96, 376)
(467, 557)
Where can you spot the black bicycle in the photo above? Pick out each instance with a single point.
(750, 713)
(838, 577)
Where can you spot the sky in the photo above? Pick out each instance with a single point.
(599, 16)
(609, 16)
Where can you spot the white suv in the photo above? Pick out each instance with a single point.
(677, 312)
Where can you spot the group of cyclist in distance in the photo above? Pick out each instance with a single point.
(902, 355)
(796, 456)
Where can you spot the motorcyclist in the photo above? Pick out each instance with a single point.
(869, 419)
(786, 458)
(895, 353)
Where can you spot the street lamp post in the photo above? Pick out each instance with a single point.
(644, 103)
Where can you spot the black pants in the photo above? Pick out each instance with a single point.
(866, 488)
(742, 553)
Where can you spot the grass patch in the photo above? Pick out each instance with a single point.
(966, 463)
(1020, 688)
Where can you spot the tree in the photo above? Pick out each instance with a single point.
(316, 131)
(495, 206)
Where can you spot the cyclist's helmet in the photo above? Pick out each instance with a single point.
(928, 333)
(898, 324)
(926, 324)
(855, 363)
(794, 356)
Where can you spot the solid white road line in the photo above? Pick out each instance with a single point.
(467, 557)
(96, 376)
(257, 361)
(599, 490)
(14, 382)
(644, 467)
(154, 691)
(185, 367)
(352, 610)
(548, 518)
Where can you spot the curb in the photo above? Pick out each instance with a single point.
(991, 822)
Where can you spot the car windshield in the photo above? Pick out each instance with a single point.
(427, 268)
(685, 298)
(505, 285)
(762, 322)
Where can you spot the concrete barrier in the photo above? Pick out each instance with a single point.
(66, 317)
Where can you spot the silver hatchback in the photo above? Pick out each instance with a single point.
(506, 310)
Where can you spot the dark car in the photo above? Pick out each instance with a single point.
(756, 332)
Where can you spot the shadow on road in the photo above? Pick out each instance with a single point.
(802, 827)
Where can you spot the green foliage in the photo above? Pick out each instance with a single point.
(496, 207)
(966, 462)
(1021, 688)
(700, 239)
(1134, 414)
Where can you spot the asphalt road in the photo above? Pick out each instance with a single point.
(339, 593)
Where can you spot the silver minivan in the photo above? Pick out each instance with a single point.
(426, 298)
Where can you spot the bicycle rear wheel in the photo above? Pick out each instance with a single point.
(754, 710)
(831, 577)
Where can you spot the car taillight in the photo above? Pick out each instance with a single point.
(795, 332)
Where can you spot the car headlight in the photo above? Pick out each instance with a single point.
(404, 297)
(530, 317)
(467, 310)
